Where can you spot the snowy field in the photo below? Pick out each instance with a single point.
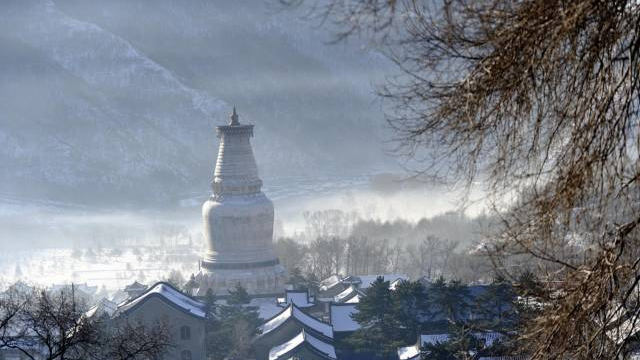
(111, 268)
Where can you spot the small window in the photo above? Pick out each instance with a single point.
(185, 355)
(185, 333)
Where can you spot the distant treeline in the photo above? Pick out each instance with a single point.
(341, 242)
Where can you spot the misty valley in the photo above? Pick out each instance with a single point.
(114, 247)
(319, 180)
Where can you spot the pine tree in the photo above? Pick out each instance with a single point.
(461, 345)
(191, 285)
(238, 295)
(496, 307)
(409, 305)
(450, 300)
(210, 307)
(297, 280)
(378, 334)
(231, 326)
(312, 284)
(528, 285)
(457, 301)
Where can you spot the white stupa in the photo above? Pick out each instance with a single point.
(238, 222)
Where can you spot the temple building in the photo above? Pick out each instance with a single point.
(238, 222)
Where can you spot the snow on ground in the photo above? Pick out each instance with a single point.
(267, 307)
(341, 319)
(408, 352)
(112, 268)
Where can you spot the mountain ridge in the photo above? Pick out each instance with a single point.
(94, 111)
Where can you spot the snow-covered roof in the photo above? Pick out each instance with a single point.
(394, 284)
(433, 339)
(366, 280)
(267, 308)
(351, 279)
(413, 352)
(303, 337)
(119, 297)
(293, 311)
(170, 294)
(409, 352)
(488, 337)
(354, 300)
(340, 315)
(346, 294)
(330, 282)
(300, 298)
(135, 286)
(104, 306)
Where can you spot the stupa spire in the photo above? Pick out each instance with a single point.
(236, 172)
(234, 118)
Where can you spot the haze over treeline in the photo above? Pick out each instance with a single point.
(115, 102)
(107, 131)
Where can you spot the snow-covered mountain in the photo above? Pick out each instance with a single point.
(116, 101)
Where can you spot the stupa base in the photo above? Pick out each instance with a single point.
(258, 281)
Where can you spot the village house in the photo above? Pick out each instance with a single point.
(298, 297)
(304, 346)
(340, 317)
(184, 315)
(349, 295)
(330, 287)
(134, 290)
(285, 326)
(333, 288)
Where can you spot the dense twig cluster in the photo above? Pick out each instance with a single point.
(539, 100)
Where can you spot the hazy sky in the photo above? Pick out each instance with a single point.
(112, 102)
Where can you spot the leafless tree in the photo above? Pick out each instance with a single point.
(48, 325)
(43, 324)
(396, 257)
(137, 341)
(320, 255)
(538, 99)
(328, 223)
(292, 253)
(11, 304)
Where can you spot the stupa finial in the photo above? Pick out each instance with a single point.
(234, 117)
